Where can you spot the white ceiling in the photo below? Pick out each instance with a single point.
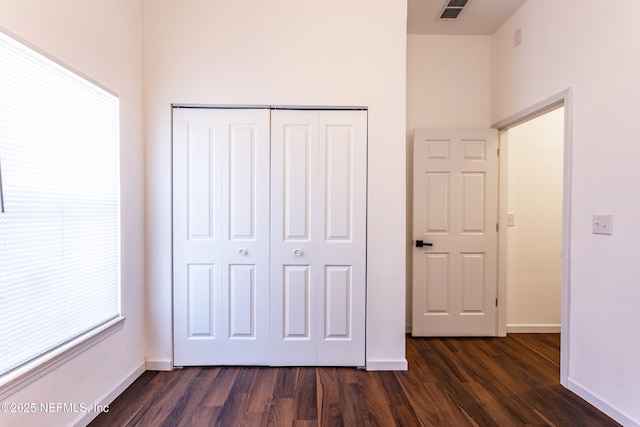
(479, 17)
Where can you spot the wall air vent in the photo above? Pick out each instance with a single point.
(452, 9)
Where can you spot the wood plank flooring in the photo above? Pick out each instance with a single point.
(512, 381)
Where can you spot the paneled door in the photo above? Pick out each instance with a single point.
(455, 217)
(221, 236)
(318, 237)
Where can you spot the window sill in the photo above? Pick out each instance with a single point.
(30, 372)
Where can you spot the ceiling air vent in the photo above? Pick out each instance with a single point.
(452, 9)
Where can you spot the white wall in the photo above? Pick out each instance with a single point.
(448, 81)
(448, 86)
(103, 40)
(534, 244)
(287, 52)
(591, 47)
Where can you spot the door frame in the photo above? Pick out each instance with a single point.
(561, 99)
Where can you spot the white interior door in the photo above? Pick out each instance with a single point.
(456, 211)
(221, 236)
(318, 237)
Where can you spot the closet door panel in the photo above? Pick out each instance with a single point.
(338, 184)
(294, 236)
(337, 314)
(329, 163)
(201, 147)
(297, 304)
(242, 301)
(221, 236)
(242, 186)
(201, 303)
(245, 218)
(197, 149)
(296, 181)
(342, 248)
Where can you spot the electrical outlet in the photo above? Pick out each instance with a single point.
(602, 224)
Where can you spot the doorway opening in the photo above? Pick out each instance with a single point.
(534, 158)
(535, 172)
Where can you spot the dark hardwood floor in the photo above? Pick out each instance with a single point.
(512, 381)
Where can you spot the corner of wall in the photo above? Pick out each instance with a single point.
(602, 404)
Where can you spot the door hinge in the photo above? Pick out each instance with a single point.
(497, 227)
(496, 302)
(498, 152)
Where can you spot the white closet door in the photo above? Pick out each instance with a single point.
(294, 236)
(245, 227)
(342, 241)
(221, 236)
(318, 237)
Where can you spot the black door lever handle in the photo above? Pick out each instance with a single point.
(421, 243)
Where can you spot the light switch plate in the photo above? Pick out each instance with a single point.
(602, 224)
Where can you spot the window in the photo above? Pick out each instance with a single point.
(59, 222)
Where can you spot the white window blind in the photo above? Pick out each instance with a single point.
(59, 227)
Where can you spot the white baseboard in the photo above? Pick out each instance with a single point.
(387, 365)
(533, 329)
(159, 365)
(602, 404)
(109, 396)
(521, 329)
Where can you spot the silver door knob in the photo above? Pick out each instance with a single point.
(242, 251)
(297, 252)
